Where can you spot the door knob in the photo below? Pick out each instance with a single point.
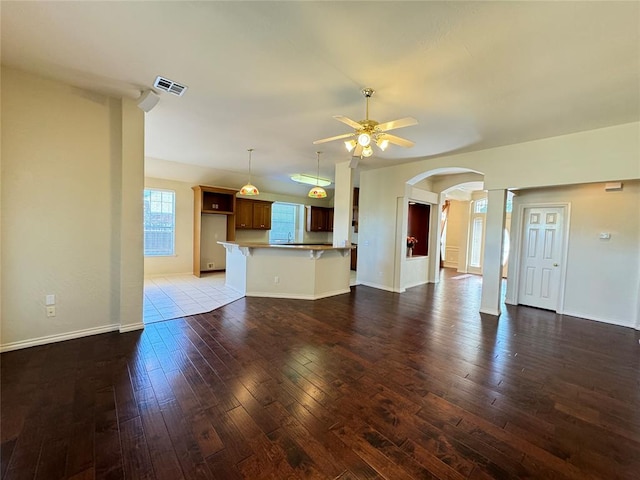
(555, 264)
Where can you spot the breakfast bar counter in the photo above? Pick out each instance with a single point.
(296, 271)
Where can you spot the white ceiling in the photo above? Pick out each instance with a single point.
(270, 75)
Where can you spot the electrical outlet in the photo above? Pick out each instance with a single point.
(51, 311)
(211, 265)
(276, 279)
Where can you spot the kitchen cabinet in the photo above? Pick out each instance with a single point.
(319, 219)
(253, 214)
(211, 201)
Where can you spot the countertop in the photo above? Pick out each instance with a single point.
(289, 246)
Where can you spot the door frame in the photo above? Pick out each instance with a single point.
(516, 258)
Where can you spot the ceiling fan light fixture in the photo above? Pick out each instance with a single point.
(350, 144)
(249, 189)
(382, 143)
(364, 139)
(368, 131)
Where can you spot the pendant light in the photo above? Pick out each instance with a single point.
(318, 191)
(249, 189)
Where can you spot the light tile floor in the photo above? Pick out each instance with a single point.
(176, 296)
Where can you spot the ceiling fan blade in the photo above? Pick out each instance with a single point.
(337, 137)
(398, 141)
(357, 152)
(348, 121)
(393, 124)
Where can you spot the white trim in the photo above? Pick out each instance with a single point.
(381, 287)
(490, 311)
(517, 254)
(588, 316)
(60, 337)
(153, 276)
(411, 285)
(131, 327)
(448, 262)
(297, 296)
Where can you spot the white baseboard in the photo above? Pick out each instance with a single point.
(490, 311)
(380, 287)
(598, 319)
(151, 276)
(295, 296)
(416, 284)
(131, 327)
(61, 337)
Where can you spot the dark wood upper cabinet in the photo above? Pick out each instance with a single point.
(253, 214)
(319, 219)
(261, 215)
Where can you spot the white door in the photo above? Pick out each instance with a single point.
(542, 257)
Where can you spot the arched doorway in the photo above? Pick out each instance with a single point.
(432, 187)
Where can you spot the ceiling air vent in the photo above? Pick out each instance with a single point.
(170, 86)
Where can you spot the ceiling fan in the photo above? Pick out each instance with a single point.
(369, 132)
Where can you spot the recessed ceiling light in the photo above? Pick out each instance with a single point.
(310, 180)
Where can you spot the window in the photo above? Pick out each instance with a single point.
(506, 246)
(283, 223)
(480, 205)
(476, 242)
(509, 205)
(159, 222)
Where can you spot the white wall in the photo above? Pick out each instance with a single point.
(414, 271)
(182, 261)
(602, 275)
(70, 165)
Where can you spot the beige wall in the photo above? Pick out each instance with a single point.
(606, 154)
(182, 261)
(71, 169)
(457, 231)
(214, 229)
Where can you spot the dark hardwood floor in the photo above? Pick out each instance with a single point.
(360, 386)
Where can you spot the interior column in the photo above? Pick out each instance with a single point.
(492, 262)
(342, 205)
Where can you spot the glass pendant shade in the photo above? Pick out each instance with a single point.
(317, 192)
(382, 144)
(350, 144)
(249, 189)
(364, 139)
(367, 151)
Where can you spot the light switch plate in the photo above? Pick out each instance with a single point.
(50, 300)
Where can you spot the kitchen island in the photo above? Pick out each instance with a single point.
(306, 272)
